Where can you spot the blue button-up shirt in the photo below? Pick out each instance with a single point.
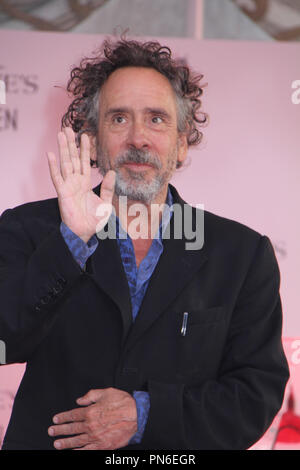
(138, 279)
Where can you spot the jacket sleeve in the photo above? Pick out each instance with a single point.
(33, 281)
(234, 410)
(80, 250)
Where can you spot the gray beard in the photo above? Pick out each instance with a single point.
(135, 187)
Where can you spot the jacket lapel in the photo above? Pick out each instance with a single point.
(109, 275)
(175, 269)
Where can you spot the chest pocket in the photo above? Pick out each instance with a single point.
(204, 316)
(199, 350)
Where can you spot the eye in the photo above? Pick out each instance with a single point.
(118, 119)
(157, 120)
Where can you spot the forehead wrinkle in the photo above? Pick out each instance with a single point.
(137, 82)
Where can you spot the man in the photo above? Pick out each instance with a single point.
(132, 338)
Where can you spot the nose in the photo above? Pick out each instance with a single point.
(137, 136)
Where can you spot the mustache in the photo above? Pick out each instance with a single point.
(138, 156)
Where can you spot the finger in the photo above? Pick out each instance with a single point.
(115, 437)
(72, 442)
(55, 173)
(66, 164)
(108, 186)
(78, 414)
(73, 150)
(85, 152)
(90, 397)
(67, 429)
(88, 447)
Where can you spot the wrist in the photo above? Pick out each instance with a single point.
(80, 250)
(84, 238)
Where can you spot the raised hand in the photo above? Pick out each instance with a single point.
(78, 204)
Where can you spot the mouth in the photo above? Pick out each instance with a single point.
(137, 166)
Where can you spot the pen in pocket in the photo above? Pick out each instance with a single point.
(184, 323)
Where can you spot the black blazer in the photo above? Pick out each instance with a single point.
(217, 387)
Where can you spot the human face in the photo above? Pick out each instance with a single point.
(137, 134)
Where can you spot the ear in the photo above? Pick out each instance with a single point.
(182, 147)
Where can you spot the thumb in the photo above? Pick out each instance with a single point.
(107, 186)
(90, 397)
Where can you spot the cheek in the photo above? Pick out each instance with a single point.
(112, 144)
(163, 145)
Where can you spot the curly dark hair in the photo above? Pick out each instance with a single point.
(87, 79)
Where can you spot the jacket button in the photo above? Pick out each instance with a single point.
(51, 294)
(59, 285)
(56, 289)
(44, 300)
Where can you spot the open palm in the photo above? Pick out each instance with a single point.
(80, 208)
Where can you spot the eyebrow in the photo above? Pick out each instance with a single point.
(121, 110)
(159, 111)
(116, 111)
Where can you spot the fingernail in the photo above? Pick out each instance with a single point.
(55, 419)
(57, 444)
(50, 431)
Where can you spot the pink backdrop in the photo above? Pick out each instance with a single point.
(247, 168)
